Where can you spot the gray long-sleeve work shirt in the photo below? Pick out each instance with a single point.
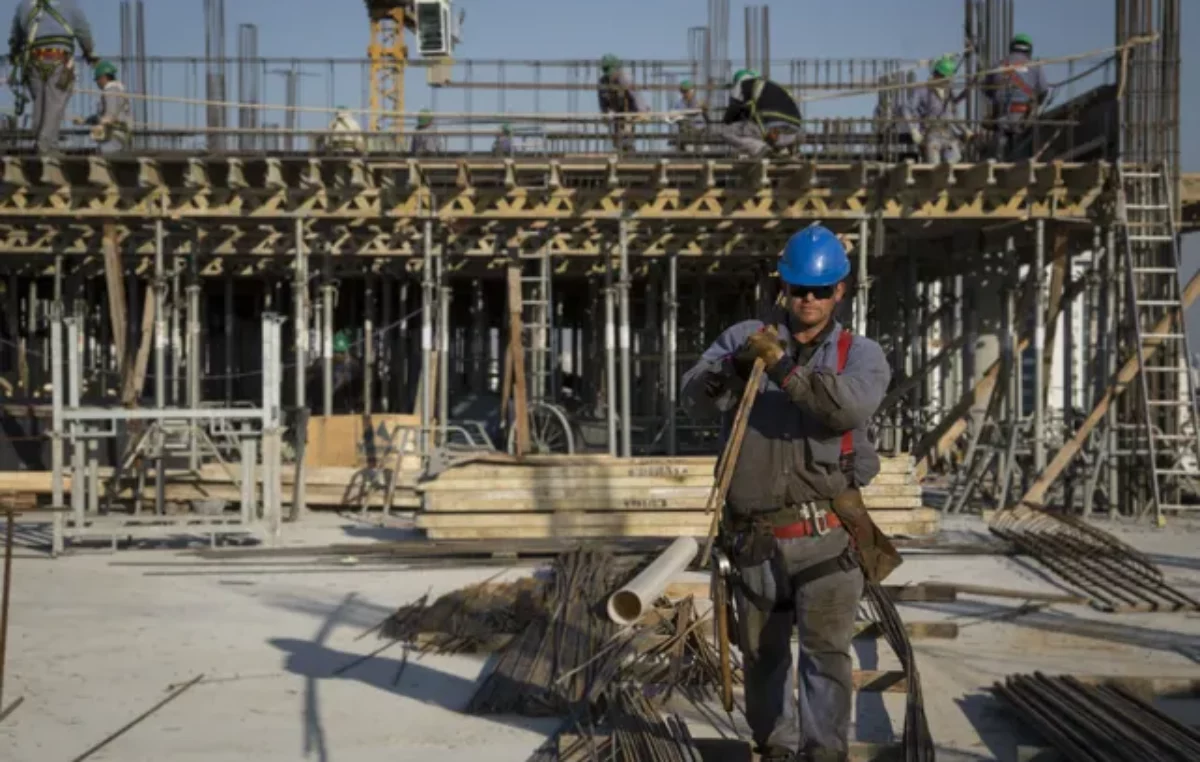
(47, 28)
(925, 108)
(792, 446)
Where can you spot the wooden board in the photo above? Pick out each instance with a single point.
(341, 440)
(624, 519)
(659, 499)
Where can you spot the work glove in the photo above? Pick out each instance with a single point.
(764, 345)
(918, 137)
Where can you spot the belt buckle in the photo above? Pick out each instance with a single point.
(820, 521)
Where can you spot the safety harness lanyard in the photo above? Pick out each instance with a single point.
(760, 85)
(1021, 84)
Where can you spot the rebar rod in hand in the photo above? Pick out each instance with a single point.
(729, 457)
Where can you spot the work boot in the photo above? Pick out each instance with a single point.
(775, 754)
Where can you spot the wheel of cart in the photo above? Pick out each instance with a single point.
(550, 431)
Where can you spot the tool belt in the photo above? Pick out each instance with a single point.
(50, 54)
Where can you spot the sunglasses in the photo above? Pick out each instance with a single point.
(818, 292)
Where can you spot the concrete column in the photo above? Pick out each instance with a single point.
(610, 354)
(670, 363)
(328, 294)
(427, 369)
(623, 287)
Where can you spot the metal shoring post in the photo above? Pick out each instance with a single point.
(1067, 310)
(78, 455)
(623, 285)
(300, 331)
(610, 355)
(443, 338)
(1011, 403)
(175, 345)
(327, 296)
(1093, 311)
(369, 296)
(193, 360)
(670, 346)
(249, 485)
(160, 365)
(427, 341)
(1039, 343)
(271, 423)
(863, 283)
(1113, 286)
(56, 432)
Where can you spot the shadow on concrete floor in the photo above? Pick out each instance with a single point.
(1061, 622)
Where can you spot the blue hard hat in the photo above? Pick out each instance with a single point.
(814, 257)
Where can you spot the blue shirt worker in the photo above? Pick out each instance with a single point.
(804, 453)
(761, 115)
(41, 52)
(1015, 93)
(928, 114)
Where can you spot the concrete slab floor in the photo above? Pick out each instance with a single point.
(95, 641)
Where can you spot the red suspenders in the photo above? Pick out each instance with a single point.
(843, 351)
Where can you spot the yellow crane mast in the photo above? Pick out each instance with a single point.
(388, 54)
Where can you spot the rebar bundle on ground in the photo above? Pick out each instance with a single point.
(1098, 723)
(1115, 576)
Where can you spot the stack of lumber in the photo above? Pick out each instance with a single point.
(326, 487)
(601, 496)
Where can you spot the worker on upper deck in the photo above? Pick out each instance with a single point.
(616, 96)
(691, 126)
(928, 115)
(804, 453)
(761, 115)
(41, 52)
(503, 144)
(345, 133)
(425, 142)
(1015, 93)
(112, 124)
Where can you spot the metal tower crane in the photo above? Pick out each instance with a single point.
(436, 32)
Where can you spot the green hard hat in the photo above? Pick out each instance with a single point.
(1022, 41)
(104, 69)
(341, 341)
(742, 74)
(945, 66)
(685, 85)
(609, 62)
(424, 118)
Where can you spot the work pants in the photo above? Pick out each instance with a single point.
(940, 149)
(823, 611)
(50, 84)
(749, 138)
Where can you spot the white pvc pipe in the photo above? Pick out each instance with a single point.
(627, 605)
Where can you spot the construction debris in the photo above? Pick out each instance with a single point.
(1098, 723)
(1112, 575)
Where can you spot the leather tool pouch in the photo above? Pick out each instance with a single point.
(877, 555)
(753, 543)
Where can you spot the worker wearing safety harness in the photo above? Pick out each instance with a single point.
(761, 115)
(1015, 94)
(928, 115)
(41, 52)
(793, 505)
(112, 124)
(616, 96)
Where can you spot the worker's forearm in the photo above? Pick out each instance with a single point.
(839, 402)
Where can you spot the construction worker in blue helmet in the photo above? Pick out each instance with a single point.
(617, 97)
(1014, 88)
(761, 117)
(929, 117)
(793, 500)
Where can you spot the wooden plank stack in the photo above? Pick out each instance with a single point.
(600, 496)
